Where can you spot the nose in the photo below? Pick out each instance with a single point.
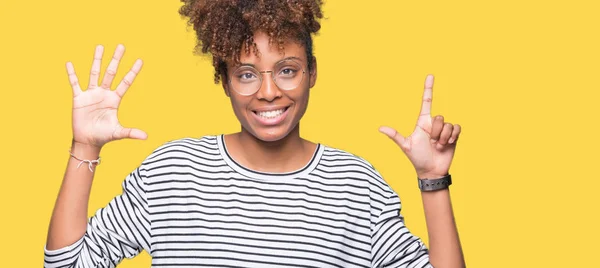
(268, 90)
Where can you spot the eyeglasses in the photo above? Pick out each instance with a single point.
(287, 75)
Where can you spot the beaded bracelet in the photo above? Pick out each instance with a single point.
(90, 162)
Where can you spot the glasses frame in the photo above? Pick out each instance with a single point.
(261, 77)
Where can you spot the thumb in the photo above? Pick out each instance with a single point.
(130, 133)
(400, 140)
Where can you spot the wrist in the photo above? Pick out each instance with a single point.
(429, 184)
(85, 150)
(430, 176)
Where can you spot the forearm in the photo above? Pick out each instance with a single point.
(69, 218)
(444, 244)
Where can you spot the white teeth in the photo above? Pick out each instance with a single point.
(271, 114)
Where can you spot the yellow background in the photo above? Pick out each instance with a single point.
(521, 77)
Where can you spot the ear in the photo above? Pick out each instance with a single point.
(225, 85)
(222, 69)
(313, 73)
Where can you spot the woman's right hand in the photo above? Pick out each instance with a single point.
(95, 121)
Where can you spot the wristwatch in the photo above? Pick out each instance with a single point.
(429, 185)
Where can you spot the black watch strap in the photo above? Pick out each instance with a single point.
(428, 185)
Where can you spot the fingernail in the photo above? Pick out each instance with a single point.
(433, 140)
(451, 140)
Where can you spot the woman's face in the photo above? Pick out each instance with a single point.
(271, 113)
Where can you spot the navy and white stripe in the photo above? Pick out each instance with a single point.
(189, 204)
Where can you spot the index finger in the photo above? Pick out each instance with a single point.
(129, 77)
(427, 97)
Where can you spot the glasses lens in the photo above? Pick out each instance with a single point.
(245, 80)
(288, 74)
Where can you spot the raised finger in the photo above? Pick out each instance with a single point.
(446, 133)
(95, 71)
(436, 128)
(73, 80)
(129, 78)
(427, 98)
(111, 70)
(455, 133)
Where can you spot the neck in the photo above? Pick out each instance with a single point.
(287, 154)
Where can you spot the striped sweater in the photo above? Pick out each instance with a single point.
(189, 204)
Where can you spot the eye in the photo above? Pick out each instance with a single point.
(287, 72)
(246, 76)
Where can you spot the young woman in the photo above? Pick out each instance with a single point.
(262, 197)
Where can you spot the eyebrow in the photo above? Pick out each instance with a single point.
(287, 58)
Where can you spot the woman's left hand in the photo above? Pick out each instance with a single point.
(430, 148)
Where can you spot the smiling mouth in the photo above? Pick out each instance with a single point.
(272, 113)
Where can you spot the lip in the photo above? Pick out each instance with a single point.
(270, 121)
(270, 108)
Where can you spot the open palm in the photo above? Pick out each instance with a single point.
(431, 146)
(95, 110)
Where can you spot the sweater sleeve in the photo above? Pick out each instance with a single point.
(392, 244)
(119, 230)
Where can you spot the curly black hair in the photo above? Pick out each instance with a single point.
(225, 27)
